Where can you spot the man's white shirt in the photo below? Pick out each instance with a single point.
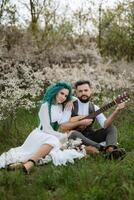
(83, 109)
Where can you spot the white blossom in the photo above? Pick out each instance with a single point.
(20, 84)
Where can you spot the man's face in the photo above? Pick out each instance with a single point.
(83, 92)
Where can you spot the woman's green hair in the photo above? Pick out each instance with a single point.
(53, 90)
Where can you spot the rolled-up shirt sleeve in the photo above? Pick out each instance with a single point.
(46, 126)
(100, 118)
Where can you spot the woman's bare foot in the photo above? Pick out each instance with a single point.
(28, 165)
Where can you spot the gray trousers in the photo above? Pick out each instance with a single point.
(94, 138)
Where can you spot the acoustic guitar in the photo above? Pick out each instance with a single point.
(120, 99)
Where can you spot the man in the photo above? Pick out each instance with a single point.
(83, 107)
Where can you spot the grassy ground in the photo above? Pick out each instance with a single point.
(86, 179)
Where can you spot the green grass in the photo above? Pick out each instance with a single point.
(86, 179)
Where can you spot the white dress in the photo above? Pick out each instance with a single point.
(38, 137)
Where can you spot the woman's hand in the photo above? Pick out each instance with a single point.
(69, 105)
(69, 133)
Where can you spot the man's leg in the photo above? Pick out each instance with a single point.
(86, 141)
(91, 146)
(109, 135)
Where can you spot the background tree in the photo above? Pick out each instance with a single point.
(34, 8)
(117, 34)
(100, 24)
(7, 12)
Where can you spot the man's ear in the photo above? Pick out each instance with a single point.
(91, 90)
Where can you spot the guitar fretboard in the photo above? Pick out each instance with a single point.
(102, 109)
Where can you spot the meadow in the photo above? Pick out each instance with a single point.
(86, 179)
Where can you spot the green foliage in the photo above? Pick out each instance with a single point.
(117, 32)
(55, 35)
(54, 30)
(15, 129)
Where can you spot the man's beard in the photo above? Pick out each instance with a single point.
(84, 100)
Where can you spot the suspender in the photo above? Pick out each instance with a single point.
(75, 109)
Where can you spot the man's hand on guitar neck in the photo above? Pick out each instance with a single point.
(121, 106)
(111, 118)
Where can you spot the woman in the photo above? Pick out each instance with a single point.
(46, 137)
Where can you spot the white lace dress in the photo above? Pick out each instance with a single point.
(38, 137)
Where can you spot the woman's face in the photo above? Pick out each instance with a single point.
(62, 96)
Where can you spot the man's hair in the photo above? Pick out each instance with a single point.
(81, 82)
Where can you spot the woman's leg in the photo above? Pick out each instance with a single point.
(109, 135)
(42, 152)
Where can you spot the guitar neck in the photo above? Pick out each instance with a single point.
(102, 109)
